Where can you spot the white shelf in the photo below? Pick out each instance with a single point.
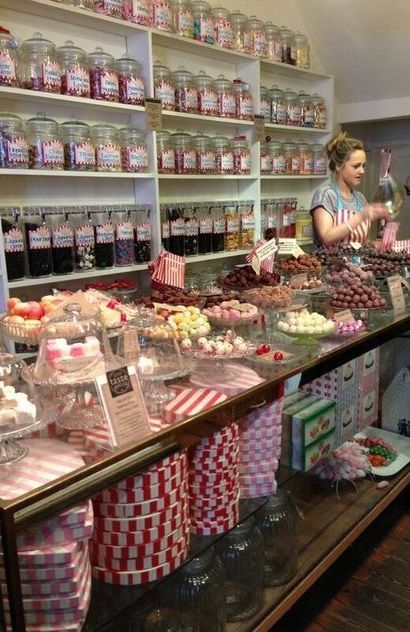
(77, 276)
(295, 130)
(74, 174)
(217, 120)
(172, 176)
(277, 67)
(273, 177)
(216, 255)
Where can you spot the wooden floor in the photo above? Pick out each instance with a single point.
(368, 590)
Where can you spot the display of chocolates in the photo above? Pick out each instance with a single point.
(303, 263)
(357, 296)
(244, 277)
(347, 273)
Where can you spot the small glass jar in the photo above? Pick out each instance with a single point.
(292, 108)
(288, 46)
(104, 238)
(319, 162)
(107, 147)
(218, 228)
(278, 106)
(319, 112)
(305, 159)
(191, 233)
(255, 37)
(223, 29)
(38, 66)
(291, 155)
(186, 94)
(302, 51)
(84, 240)
(247, 225)
(265, 159)
(205, 229)
(226, 97)
(223, 155)
(239, 22)
(130, 81)
(137, 11)
(134, 155)
(38, 242)
(243, 98)
(75, 76)
(241, 554)
(108, 7)
(14, 150)
(232, 226)
(183, 18)
(165, 153)
(79, 152)
(207, 95)
(273, 42)
(164, 87)
(46, 151)
(8, 59)
(162, 18)
(140, 218)
(241, 156)
(62, 241)
(176, 218)
(103, 77)
(205, 155)
(185, 155)
(13, 243)
(276, 151)
(306, 109)
(264, 103)
(123, 236)
(203, 22)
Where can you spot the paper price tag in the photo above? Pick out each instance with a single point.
(344, 316)
(355, 245)
(289, 246)
(396, 292)
(153, 114)
(256, 264)
(259, 128)
(267, 250)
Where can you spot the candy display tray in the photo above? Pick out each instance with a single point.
(399, 442)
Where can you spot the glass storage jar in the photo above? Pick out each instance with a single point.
(107, 148)
(291, 155)
(278, 522)
(103, 77)
(191, 232)
(241, 156)
(84, 239)
(164, 87)
(62, 240)
(292, 108)
(239, 21)
(288, 46)
(207, 94)
(137, 11)
(131, 88)
(165, 153)
(241, 554)
(203, 22)
(205, 229)
(176, 218)
(273, 42)
(205, 154)
(75, 76)
(162, 18)
(255, 37)
(38, 66)
(8, 59)
(305, 159)
(218, 228)
(306, 109)
(319, 112)
(277, 155)
(79, 152)
(14, 150)
(46, 150)
(223, 155)
(223, 29)
(140, 218)
(123, 236)
(302, 51)
(247, 225)
(183, 18)
(185, 155)
(243, 99)
(226, 97)
(264, 103)
(13, 243)
(186, 94)
(232, 226)
(38, 242)
(265, 159)
(319, 162)
(104, 238)
(304, 228)
(278, 105)
(134, 155)
(108, 7)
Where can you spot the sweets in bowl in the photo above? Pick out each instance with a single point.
(232, 311)
(302, 322)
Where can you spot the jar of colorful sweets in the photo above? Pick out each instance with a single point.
(319, 162)
(278, 106)
(255, 37)
(243, 99)
(107, 147)
(134, 155)
(239, 22)
(8, 59)
(84, 239)
(123, 236)
(207, 94)
(306, 109)
(247, 225)
(273, 42)
(108, 7)
(223, 155)
(164, 87)
(14, 150)
(38, 66)
(183, 18)
(203, 22)
(292, 108)
(205, 154)
(137, 11)
(265, 159)
(46, 151)
(223, 29)
(232, 226)
(185, 155)
(305, 159)
(130, 81)
(103, 76)
(165, 152)
(226, 97)
(79, 152)
(162, 18)
(75, 76)
(62, 240)
(38, 242)
(319, 112)
(264, 103)
(13, 243)
(302, 51)
(276, 151)
(241, 156)
(186, 94)
(291, 155)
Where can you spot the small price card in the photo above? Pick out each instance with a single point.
(259, 128)
(123, 404)
(356, 245)
(269, 249)
(289, 246)
(344, 316)
(153, 114)
(396, 292)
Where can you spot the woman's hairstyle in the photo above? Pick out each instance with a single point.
(339, 148)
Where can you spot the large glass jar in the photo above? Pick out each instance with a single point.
(291, 155)
(186, 95)
(185, 155)
(302, 51)
(130, 81)
(141, 220)
(14, 151)
(276, 151)
(108, 7)
(38, 242)
(273, 42)
(8, 59)
(305, 159)
(84, 239)
(207, 95)
(292, 108)
(232, 226)
(165, 153)
(183, 18)
(107, 147)
(205, 154)
(265, 159)
(223, 155)
(278, 106)
(264, 103)
(241, 156)
(319, 112)
(164, 87)
(247, 225)
(319, 162)
(238, 21)
(191, 232)
(103, 77)
(38, 65)
(62, 241)
(306, 109)
(123, 236)
(104, 238)
(241, 553)
(278, 522)
(176, 218)
(79, 152)
(75, 76)
(218, 228)
(13, 243)
(46, 150)
(203, 22)
(288, 46)
(162, 18)
(134, 155)
(226, 97)
(223, 29)
(205, 229)
(243, 99)
(137, 11)
(255, 37)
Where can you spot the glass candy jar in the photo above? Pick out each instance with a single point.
(205, 229)
(130, 81)
(142, 233)
(291, 155)
(75, 76)
(13, 243)
(276, 151)
(238, 21)
(79, 153)
(203, 22)
(207, 95)
(302, 51)
(241, 554)
(183, 18)
(8, 59)
(232, 226)
(306, 109)
(38, 242)
(84, 240)
(123, 237)
(319, 162)
(241, 156)
(137, 11)
(162, 18)
(165, 153)
(273, 42)
(305, 159)
(205, 154)
(255, 37)
(46, 150)
(164, 87)
(278, 106)
(223, 29)
(186, 94)
(292, 106)
(103, 77)
(264, 103)
(288, 46)
(107, 148)
(226, 97)
(185, 155)
(104, 238)
(38, 65)
(62, 241)
(278, 522)
(319, 112)
(108, 7)
(14, 150)
(191, 232)
(223, 155)
(265, 159)
(134, 155)
(243, 99)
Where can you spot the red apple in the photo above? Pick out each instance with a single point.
(22, 309)
(36, 311)
(11, 303)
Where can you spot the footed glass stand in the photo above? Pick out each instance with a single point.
(10, 449)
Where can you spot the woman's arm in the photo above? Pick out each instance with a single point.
(328, 234)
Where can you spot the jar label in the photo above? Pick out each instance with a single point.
(62, 236)
(274, 50)
(134, 89)
(7, 68)
(143, 232)
(293, 115)
(78, 81)
(177, 228)
(124, 231)
(264, 109)
(307, 230)
(295, 164)
(84, 154)
(266, 163)
(227, 104)
(308, 117)
(165, 91)
(109, 84)
(232, 225)
(191, 228)
(280, 114)
(141, 11)
(319, 166)
(162, 14)
(189, 161)
(226, 161)
(273, 221)
(184, 23)
(244, 162)
(204, 29)
(191, 99)
(108, 156)
(17, 151)
(13, 240)
(167, 160)
(205, 225)
(51, 74)
(84, 235)
(208, 102)
(111, 6)
(322, 117)
(104, 233)
(259, 43)
(165, 230)
(308, 162)
(223, 32)
(219, 225)
(207, 161)
(136, 157)
(53, 152)
(248, 221)
(245, 106)
(278, 164)
(39, 239)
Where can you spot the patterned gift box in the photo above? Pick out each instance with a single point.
(335, 383)
(346, 416)
(367, 405)
(369, 365)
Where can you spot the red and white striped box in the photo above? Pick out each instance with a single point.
(259, 491)
(191, 401)
(132, 510)
(138, 551)
(243, 378)
(48, 557)
(43, 536)
(368, 404)
(369, 368)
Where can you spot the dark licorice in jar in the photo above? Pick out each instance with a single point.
(14, 260)
(104, 255)
(39, 259)
(142, 248)
(62, 260)
(177, 231)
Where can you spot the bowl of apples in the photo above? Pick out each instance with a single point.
(23, 320)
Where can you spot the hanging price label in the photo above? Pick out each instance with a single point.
(396, 292)
(153, 114)
(259, 128)
(289, 246)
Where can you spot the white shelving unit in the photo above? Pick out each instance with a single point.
(60, 22)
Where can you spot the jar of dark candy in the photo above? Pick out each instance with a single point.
(165, 228)
(134, 155)
(186, 94)
(165, 152)
(108, 7)
(104, 238)
(141, 219)
(84, 240)
(62, 240)
(137, 11)
(218, 227)
(191, 232)
(123, 236)
(183, 18)
(203, 212)
(185, 155)
(14, 152)
(288, 46)
(46, 151)
(164, 87)
(176, 218)
(162, 18)
(38, 242)
(8, 59)
(107, 147)
(203, 22)
(75, 76)
(130, 81)
(79, 152)
(103, 76)
(13, 243)
(38, 65)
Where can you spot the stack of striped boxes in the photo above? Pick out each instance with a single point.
(141, 525)
(54, 567)
(235, 379)
(368, 395)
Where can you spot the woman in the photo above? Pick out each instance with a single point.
(340, 214)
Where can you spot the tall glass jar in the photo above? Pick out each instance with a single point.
(278, 106)
(302, 51)
(205, 229)
(276, 151)
(162, 18)
(103, 77)
(223, 155)
(176, 218)
(134, 155)
(84, 240)
(203, 22)
(241, 156)
(191, 232)
(108, 7)
(79, 152)
(104, 238)
(62, 240)
(38, 66)
(265, 103)
(165, 228)
(123, 236)
(306, 109)
(164, 87)
(291, 155)
(75, 76)
(243, 99)
(38, 242)
(305, 159)
(141, 220)
(273, 42)
(319, 162)
(8, 59)
(265, 159)
(226, 97)
(165, 153)
(292, 108)
(137, 11)
(241, 553)
(288, 46)
(239, 22)
(131, 88)
(185, 155)
(186, 94)
(218, 228)
(207, 95)
(205, 154)
(46, 150)
(223, 28)
(278, 522)
(232, 226)
(107, 147)
(14, 150)
(183, 18)
(247, 225)
(13, 243)
(319, 112)
(255, 37)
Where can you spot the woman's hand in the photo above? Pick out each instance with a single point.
(376, 211)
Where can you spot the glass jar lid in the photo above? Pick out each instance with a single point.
(10, 122)
(240, 86)
(103, 130)
(163, 136)
(181, 139)
(70, 52)
(220, 142)
(100, 58)
(222, 83)
(238, 18)
(160, 70)
(127, 64)
(130, 134)
(75, 128)
(37, 44)
(41, 123)
(276, 92)
(290, 95)
(202, 79)
(255, 22)
(200, 6)
(6, 39)
(182, 75)
(272, 30)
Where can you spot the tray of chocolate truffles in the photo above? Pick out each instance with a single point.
(244, 277)
(347, 273)
(295, 265)
(357, 296)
